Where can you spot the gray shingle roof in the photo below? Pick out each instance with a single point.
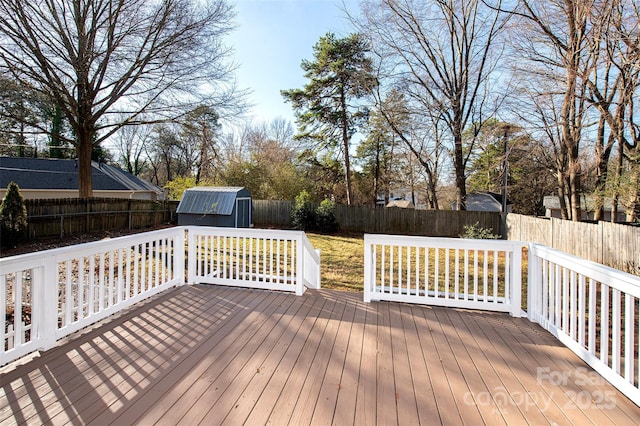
(218, 200)
(46, 173)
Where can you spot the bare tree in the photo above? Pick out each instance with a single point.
(131, 144)
(552, 38)
(106, 63)
(443, 52)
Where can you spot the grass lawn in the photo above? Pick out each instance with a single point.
(342, 263)
(341, 260)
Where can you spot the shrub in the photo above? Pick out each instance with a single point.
(326, 216)
(303, 215)
(13, 216)
(477, 232)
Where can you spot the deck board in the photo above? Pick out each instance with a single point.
(219, 355)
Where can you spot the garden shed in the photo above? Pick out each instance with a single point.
(215, 206)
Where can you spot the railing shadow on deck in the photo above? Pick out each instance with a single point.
(590, 308)
(48, 295)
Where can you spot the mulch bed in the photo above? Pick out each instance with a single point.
(69, 240)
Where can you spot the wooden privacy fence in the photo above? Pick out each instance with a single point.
(607, 243)
(58, 217)
(432, 223)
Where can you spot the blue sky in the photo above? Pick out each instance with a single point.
(272, 38)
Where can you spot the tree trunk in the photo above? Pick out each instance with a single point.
(376, 180)
(85, 185)
(458, 161)
(345, 144)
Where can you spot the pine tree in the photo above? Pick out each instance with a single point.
(13, 216)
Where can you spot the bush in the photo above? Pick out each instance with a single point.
(13, 216)
(477, 232)
(307, 217)
(326, 216)
(303, 215)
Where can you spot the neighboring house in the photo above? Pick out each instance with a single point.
(215, 206)
(587, 204)
(403, 204)
(484, 202)
(41, 178)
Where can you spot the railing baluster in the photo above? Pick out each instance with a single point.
(592, 317)
(436, 273)
(615, 330)
(485, 275)
(92, 283)
(68, 294)
(629, 336)
(581, 309)
(475, 274)
(120, 281)
(80, 291)
(604, 328)
(446, 273)
(496, 295)
(457, 272)
(18, 335)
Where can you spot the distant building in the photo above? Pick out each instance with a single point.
(484, 202)
(41, 178)
(402, 204)
(215, 206)
(587, 204)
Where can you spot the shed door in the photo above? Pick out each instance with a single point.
(243, 212)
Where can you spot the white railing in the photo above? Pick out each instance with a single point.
(592, 309)
(474, 274)
(47, 295)
(256, 258)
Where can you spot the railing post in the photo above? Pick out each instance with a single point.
(300, 264)
(533, 284)
(318, 285)
(367, 269)
(47, 311)
(516, 282)
(191, 256)
(178, 255)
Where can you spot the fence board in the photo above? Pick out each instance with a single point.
(432, 223)
(611, 244)
(57, 217)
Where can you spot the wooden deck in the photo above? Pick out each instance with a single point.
(217, 355)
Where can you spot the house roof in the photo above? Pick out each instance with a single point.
(403, 204)
(48, 173)
(218, 200)
(497, 197)
(587, 203)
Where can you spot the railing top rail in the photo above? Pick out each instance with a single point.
(615, 278)
(309, 248)
(250, 232)
(91, 247)
(437, 242)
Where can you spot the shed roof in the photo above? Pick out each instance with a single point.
(218, 200)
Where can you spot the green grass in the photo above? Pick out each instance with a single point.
(342, 263)
(342, 260)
